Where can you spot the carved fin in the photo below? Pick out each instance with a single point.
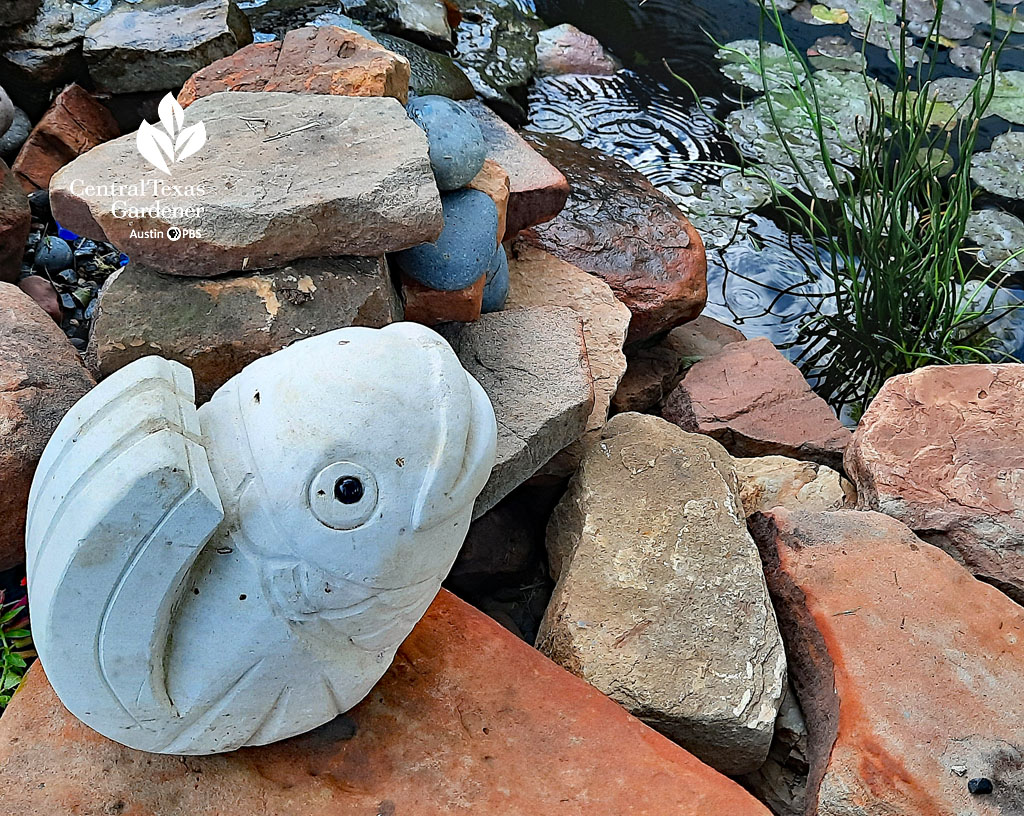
(122, 503)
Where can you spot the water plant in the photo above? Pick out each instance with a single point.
(880, 179)
(15, 646)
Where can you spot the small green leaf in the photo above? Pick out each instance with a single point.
(829, 15)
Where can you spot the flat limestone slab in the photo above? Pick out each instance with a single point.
(469, 719)
(281, 176)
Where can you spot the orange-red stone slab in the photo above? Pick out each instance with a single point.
(469, 719)
(432, 306)
(910, 671)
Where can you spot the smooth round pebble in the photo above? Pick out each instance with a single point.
(6, 112)
(464, 250)
(54, 255)
(496, 287)
(981, 786)
(14, 138)
(39, 201)
(456, 144)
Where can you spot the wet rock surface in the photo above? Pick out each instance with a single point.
(432, 73)
(497, 48)
(906, 667)
(73, 125)
(618, 226)
(756, 403)
(324, 60)
(940, 449)
(465, 703)
(565, 49)
(660, 601)
(269, 196)
(654, 368)
(158, 47)
(533, 365)
(538, 190)
(218, 326)
(41, 377)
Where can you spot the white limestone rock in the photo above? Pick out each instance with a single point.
(203, 580)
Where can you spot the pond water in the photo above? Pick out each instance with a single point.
(759, 278)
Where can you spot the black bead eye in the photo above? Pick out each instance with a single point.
(348, 490)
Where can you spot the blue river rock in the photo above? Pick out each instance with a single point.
(496, 288)
(456, 143)
(465, 249)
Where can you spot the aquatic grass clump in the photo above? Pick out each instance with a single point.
(887, 194)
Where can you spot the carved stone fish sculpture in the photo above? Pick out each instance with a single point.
(201, 580)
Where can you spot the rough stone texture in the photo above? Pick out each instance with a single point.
(15, 223)
(781, 783)
(906, 667)
(324, 60)
(942, 450)
(755, 402)
(74, 124)
(538, 278)
(565, 49)
(465, 714)
(538, 190)
(41, 377)
(305, 177)
(618, 226)
(158, 47)
(653, 369)
(660, 601)
(493, 181)
(216, 327)
(533, 364)
(431, 306)
(773, 481)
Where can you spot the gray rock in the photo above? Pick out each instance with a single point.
(457, 150)
(661, 602)
(7, 112)
(16, 12)
(425, 21)
(533, 365)
(46, 51)
(781, 783)
(218, 326)
(14, 138)
(432, 73)
(497, 283)
(283, 176)
(158, 47)
(497, 48)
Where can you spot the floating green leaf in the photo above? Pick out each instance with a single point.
(742, 60)
(998, 236)
(835, 54)
(1007, 98)
(1000, 170)
(830, 15)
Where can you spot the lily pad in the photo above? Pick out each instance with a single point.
(937, 160)
(742, 60)
(1013, 22)
(835, 54)
(830, 15)
(1007, 99)
(999, 169)
(998, 236)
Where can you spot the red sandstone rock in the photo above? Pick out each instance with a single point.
(493, 181)
(618, 226)
(755, 402)
(942, 450)
(565, 49)
(41, 377)
(15, 223)
(430, 306)
(908, 670)
(468, 720)
(319, 60)
(74, 124)
(42, 292)
(538, 190)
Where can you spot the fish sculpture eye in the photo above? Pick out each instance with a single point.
(343, 496)
(348, 490)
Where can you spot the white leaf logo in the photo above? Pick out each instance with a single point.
(175, 143)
